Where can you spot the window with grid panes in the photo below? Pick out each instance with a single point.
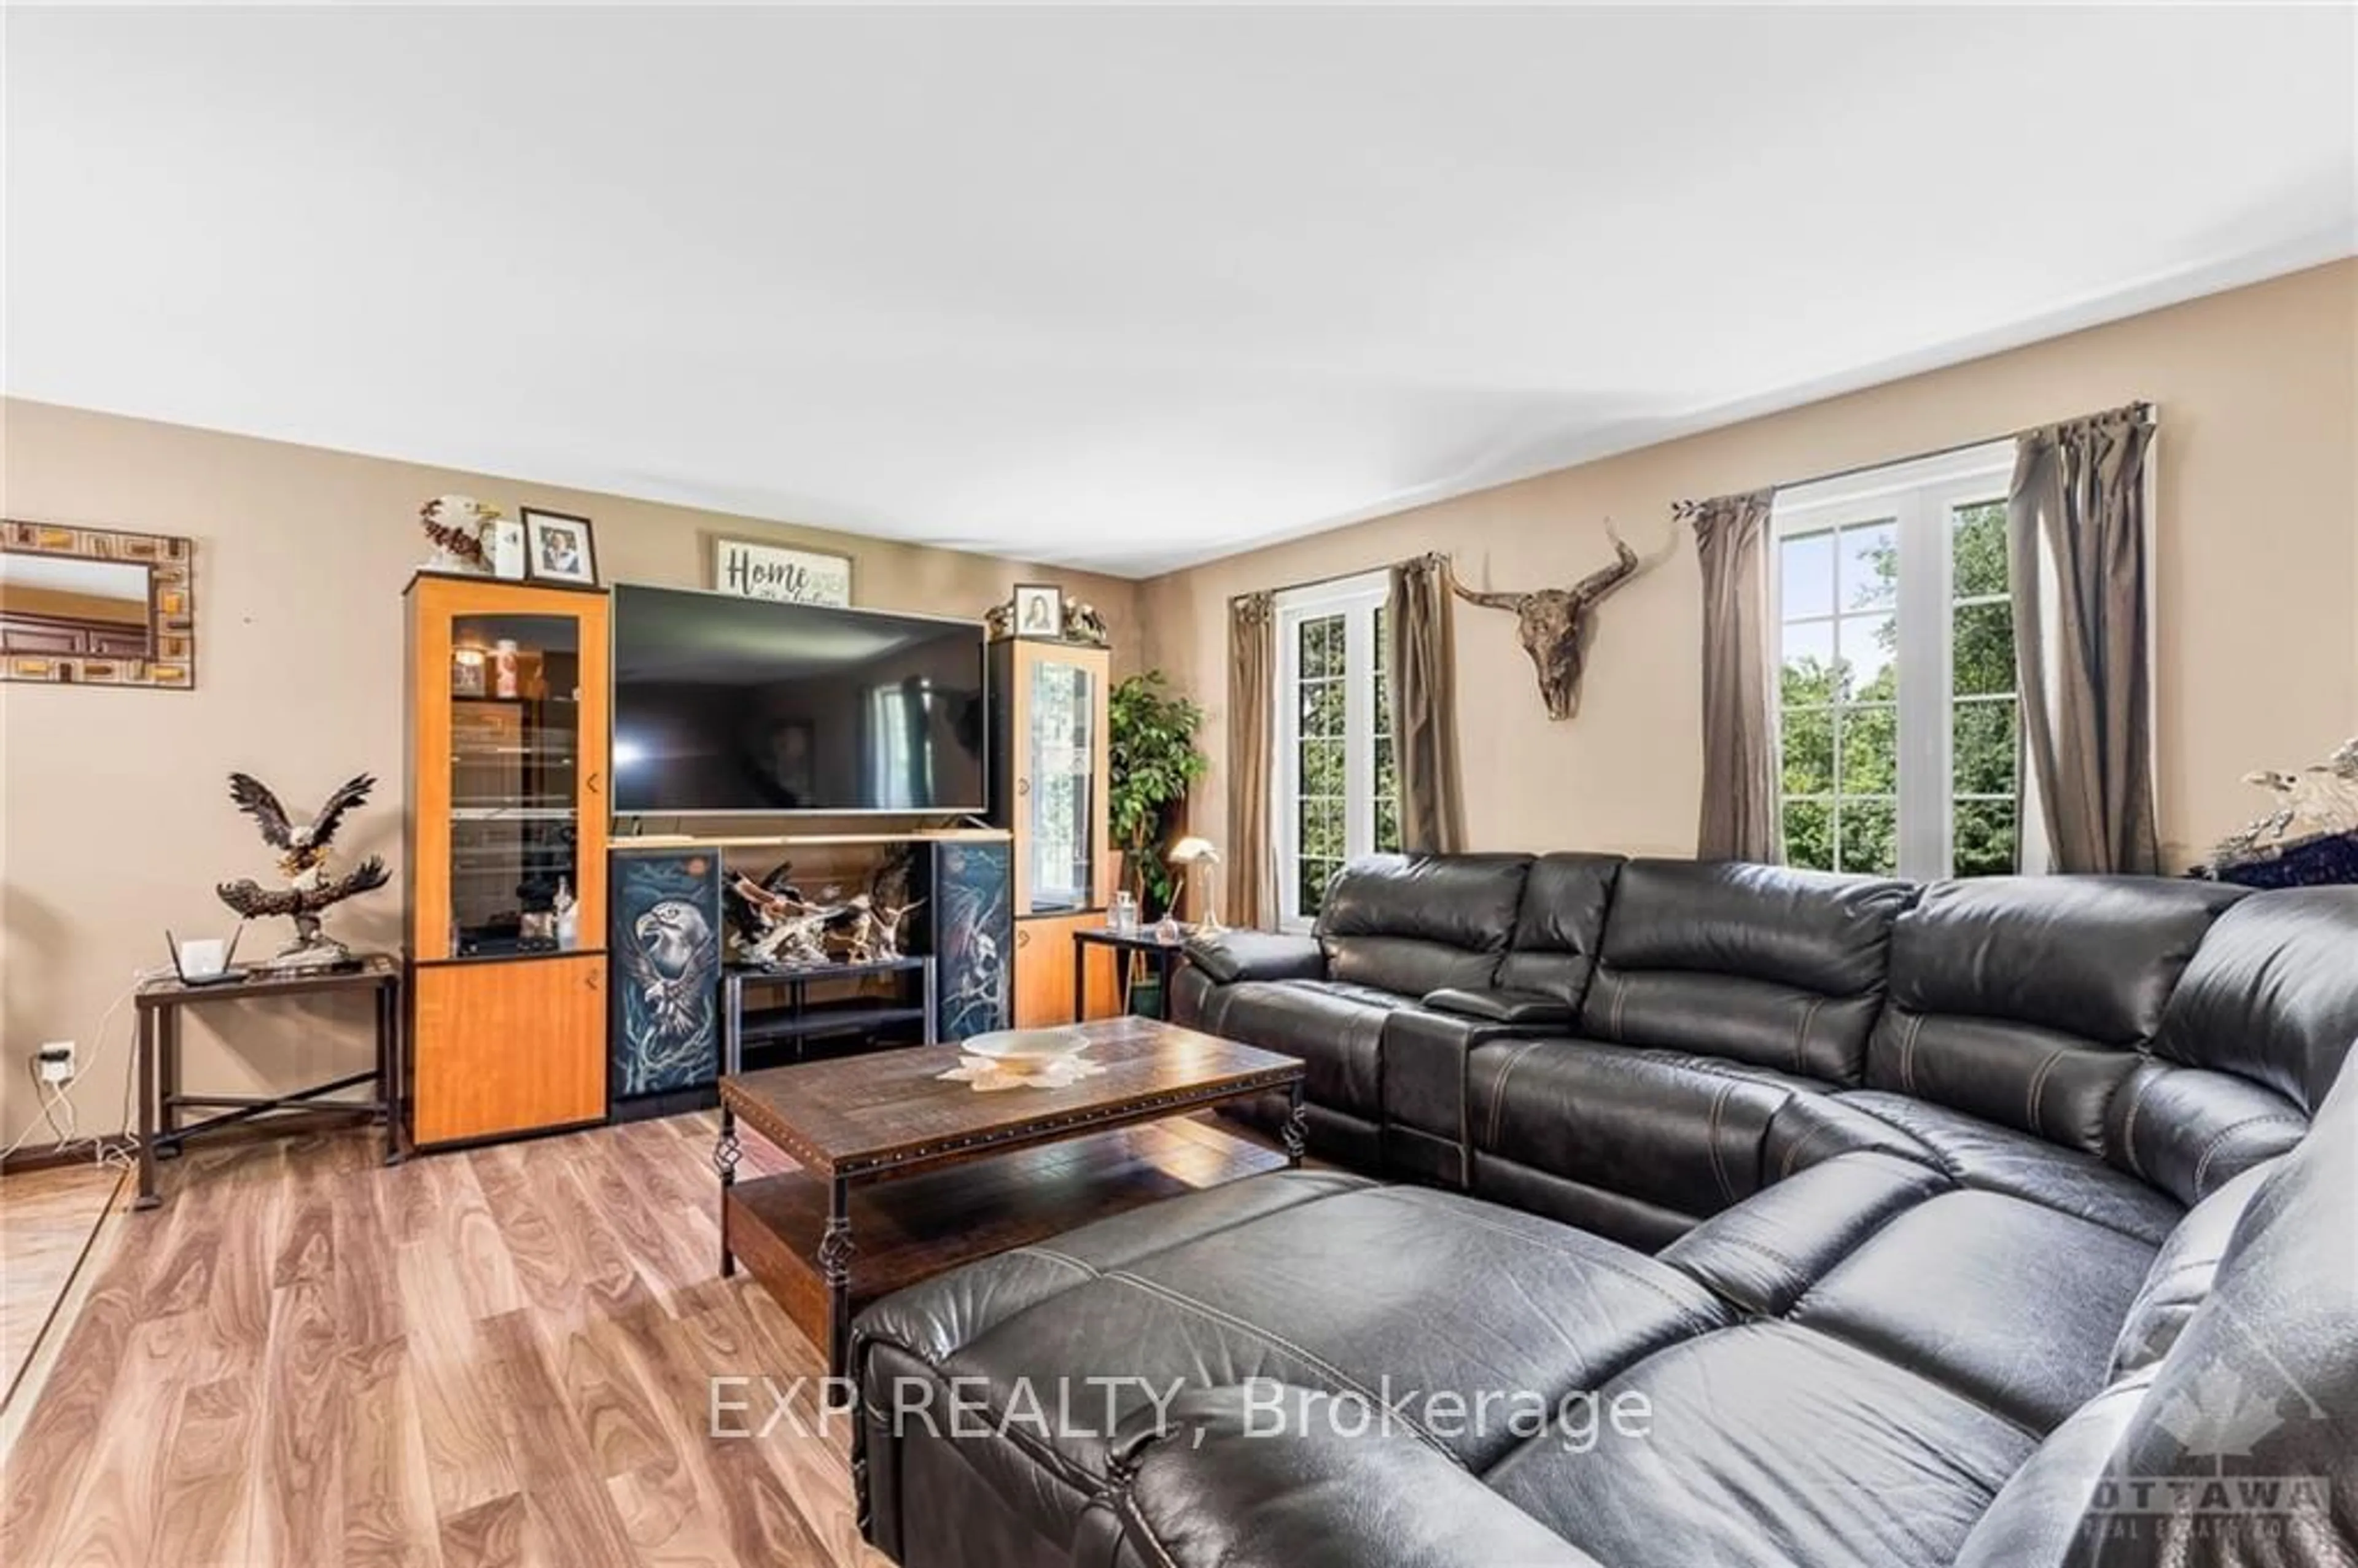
(1337, 788)
(1899, 710)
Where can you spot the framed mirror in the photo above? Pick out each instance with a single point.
(96, 606)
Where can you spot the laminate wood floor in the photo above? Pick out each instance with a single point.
(47, 1220)
(499, 1356)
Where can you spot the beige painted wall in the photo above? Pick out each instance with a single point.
(2259, 590)
(114, 820)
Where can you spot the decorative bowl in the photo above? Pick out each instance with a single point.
(1019, 1047)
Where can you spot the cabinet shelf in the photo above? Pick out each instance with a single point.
(755, 974)
(824, 1018)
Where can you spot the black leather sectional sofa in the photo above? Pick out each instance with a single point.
(1735, 1214)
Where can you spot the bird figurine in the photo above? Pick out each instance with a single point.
(2311, 836)
(2313, 802)
(1084, 624)
(456, 526)
(774, 927)
(303, 861)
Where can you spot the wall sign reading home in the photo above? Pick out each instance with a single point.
(767, 572)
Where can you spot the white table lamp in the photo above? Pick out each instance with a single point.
(1190, 853)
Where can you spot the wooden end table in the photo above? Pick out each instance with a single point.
(156, 1062)
(886, 1121)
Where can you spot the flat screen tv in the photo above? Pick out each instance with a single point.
(744, 707)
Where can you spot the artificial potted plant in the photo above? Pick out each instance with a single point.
(1153, 758)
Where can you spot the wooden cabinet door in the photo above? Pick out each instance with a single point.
(508, 1047)
(1043, 972)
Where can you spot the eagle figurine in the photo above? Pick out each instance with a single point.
(2312, 837)
(303, 861)
(454, 526)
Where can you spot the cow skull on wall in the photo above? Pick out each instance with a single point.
(1555, 624)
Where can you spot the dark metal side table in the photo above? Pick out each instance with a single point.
(1165, 956)
(156, 1061)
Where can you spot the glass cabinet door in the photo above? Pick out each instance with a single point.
(515, 785)
(1061, 765)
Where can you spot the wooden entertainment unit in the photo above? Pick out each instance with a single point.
(523, 907)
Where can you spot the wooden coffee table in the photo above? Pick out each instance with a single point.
(948, 1174)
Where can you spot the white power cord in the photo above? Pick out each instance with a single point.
(113, 1149)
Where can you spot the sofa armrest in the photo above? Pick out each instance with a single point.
(1222, 1485)
(1523, 1008)
(1231, 955)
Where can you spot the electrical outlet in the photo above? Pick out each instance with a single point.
(57, 1061)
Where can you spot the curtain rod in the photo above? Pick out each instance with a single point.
(1320, 581)
(2141, 409)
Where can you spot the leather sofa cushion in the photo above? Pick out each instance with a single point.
(1516, 1007)
(1778, 967)
(2277, 1329)
(1813, 1129)
(1561, 926)
(1979, 1154)
(1231, 955)
(2191, 1131)
(2180, 1275)
(2095, 956)
(1601, 1210)
(2012, 1305)
(1332, 1289)
(2017, 1075)
(1224, 1489)
(1415, 923)
(1808, 929)
(1425, 1054)
(1190, 995)
(2039, 1516)
(2273, 994)
(1764, 1253)
(1663, 1127)
(1336, 1029)
(1770, 1445)
(2024, 1000)
(934, 1319)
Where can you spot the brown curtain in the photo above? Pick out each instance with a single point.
(1739, 712)
(2079, 551)
(1424, 672)
(1252, 692)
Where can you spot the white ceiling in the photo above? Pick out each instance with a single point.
(1116, 288)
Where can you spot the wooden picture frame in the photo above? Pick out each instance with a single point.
(55, 623)
(1038, 612)
(559, 547)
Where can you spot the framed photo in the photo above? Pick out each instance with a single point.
(504, 549)
(1040, 611)
(751, 569)
(557, 547)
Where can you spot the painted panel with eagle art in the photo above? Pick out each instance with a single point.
(666, 941)
(967, 922)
